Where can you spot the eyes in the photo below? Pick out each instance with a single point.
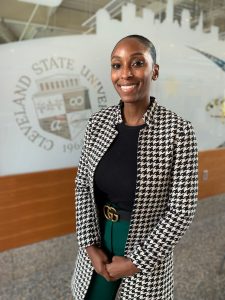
(138, 63)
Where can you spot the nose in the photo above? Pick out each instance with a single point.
(126, 72)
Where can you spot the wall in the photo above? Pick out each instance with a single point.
(51, 86)
(214, 162)
(36, 206)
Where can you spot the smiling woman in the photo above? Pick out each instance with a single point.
(132, 70)
(136, 186)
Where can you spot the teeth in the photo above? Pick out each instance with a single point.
(127, 88)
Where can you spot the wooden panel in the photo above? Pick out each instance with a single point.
(214, 162)
(39, 206)
(36, 206)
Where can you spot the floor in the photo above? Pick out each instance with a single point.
(43, 271)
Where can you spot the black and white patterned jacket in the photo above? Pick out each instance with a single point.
(164, 206)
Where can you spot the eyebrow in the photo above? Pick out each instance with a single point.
(134, 54)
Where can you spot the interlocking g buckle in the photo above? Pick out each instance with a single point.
(110, 213)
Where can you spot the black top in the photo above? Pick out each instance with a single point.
(115, 175)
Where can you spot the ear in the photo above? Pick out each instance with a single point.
(155, 74)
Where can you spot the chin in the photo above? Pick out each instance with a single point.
(128, 100)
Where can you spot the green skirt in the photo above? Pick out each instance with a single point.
(114, 237)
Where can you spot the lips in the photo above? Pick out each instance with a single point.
(127, 87)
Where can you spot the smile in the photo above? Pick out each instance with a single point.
(128, 88)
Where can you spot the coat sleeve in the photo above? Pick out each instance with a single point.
(181, 207)
(86, 218)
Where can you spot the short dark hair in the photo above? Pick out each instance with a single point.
(146, 42)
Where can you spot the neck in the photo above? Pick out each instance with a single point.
(133, 113)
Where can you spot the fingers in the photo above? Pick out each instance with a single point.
(113, 279)
(101, 270)
(106, 275)
(111, 272)
(121, 267)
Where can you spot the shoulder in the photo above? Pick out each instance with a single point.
(104, 111)
(104, 115)
(170, 119)
(101, 118)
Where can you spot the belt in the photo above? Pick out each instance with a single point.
(113, 214)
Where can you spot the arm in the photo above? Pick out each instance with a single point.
(181, 205)
(86, 218)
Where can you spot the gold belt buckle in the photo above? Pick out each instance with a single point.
(110, 213)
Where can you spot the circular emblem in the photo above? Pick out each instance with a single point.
(54, 100)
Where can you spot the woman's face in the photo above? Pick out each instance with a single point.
(132, 70)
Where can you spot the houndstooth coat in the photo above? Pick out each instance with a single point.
(164, 206)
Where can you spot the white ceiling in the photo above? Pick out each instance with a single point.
(20, 20)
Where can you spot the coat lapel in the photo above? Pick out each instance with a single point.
(105, 136)
(146, 154)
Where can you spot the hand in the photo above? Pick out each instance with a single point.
(99, 260)
(121, 267)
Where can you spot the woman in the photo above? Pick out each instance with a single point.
(136, 186)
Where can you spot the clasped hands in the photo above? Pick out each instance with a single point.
(119, 267)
